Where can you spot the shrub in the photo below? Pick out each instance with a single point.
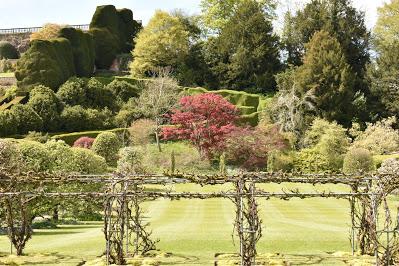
(6, 66)
(87, 162)
(61, 156)
(98, 96)
(99, 119)
(279, 161)
(83, 50)
(123, 90)
(107, 145)
(35, 156)
(9, 154)
(7, 123)
(8, 51)
(249, 148)
(73, 92)
(47, 32)
(49, 63)
(70, 138)
(84, 142)
(45, 103)
(379, 138)
(26, 119)
(358, 160)
(74, 118)
(130, 160)
(142, 131)
(310, 160)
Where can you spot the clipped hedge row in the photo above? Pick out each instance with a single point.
(70, 138)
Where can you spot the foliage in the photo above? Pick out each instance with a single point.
(387, 26)
(379, 138)
(83, 51)
(113, 31)
(389, 166)
(35, 156)
(291, 110)
(107, 145)
(7, 123)
(49, 63)
(327, 141)
(358, 160)
(9, 155)
(310, 160)
(84, 142)
(8, 51)
(245, 56)
(280, 161)
(61, 155)
(217, 13)
(326, 73)
(141, 131)
(72, 92)
(74, 118)
(249, 148)
(26, 119)
(6, 66)
(87, 162)
(70, 138)
(45, 103)
(97, 95)
(123, 91)
(162, 43)
(37, 136)
(205, 120)
(130, 160)
(47, 32)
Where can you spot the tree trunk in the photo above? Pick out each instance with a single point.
(55, 214)
(157, 136)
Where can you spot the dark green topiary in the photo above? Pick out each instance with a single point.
(47, 62)
(8, 51)
(106, 47)
(83, 50)
(113, 31)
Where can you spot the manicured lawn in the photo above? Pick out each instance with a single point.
(197, 229)
(7, 75)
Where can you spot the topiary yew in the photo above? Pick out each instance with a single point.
(8, 51)
(48, 63)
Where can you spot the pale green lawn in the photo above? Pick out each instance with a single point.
(200, 228)
(7, 75)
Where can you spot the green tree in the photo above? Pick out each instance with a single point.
(387, 26)
(216, 13)
(247, 50)
(326, 73)
(45, 103)
(163, 42)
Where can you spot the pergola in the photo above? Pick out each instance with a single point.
(127, 234)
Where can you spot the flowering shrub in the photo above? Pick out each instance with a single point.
(84, 142)
(205, 120)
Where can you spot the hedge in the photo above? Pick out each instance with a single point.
(47, 62)
(82, 49)
(8, 51)
(115, 28)
(70, 138)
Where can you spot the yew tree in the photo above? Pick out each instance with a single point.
(205, 120)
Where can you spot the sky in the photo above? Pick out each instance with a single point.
(31, 13)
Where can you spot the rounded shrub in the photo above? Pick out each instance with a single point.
(35, 156)
(123, 90)
(84, 142)
(26, 119)
(9, 154)
(358, 160)
(107, 145)
(8, 51)
(311, 161)
(87, 162)
(73, 92)
(61, 156)
(74, 118)
(45, 103)
(98, 96)
(279, 161)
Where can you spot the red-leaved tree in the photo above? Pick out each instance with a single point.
(84, 142)
(205, 120)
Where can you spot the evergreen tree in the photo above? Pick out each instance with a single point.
(326, 73)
